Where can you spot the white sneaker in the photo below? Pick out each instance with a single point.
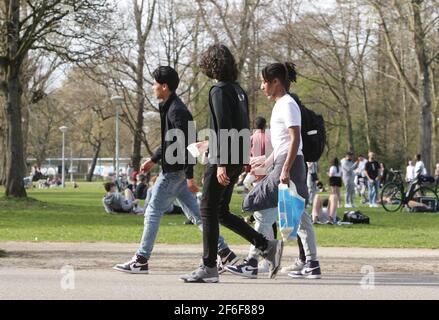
(296, 266)
(347, 205)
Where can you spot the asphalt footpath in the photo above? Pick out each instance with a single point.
(83, 271)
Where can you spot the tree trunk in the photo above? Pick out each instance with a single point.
(140, 101)
(3, 135)
(15, 151)
(350, 133)
(94, 162)
(405, 121)
(435, 117)
(2, 156)
(425, 85)
(366, 110)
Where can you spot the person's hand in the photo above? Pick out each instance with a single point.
(221, 175)
(192, 186)
(285, 177)
(259, 171)
(147, 166)
(257, 161)
(202, 146)
(136, 201)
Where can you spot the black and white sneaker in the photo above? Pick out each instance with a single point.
(311, 270)
(137, 265)
(248, 269)
(226, 257)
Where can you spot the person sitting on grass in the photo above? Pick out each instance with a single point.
(114, 202)
(324, 210)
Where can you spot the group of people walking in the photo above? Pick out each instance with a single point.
(228, 106)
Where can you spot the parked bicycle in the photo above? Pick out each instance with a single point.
(396, 176)
(422, 190)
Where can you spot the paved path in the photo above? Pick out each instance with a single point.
(83, 271)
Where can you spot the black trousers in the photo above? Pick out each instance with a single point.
(215, 209)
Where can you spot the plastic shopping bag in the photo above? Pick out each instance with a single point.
(290, 208)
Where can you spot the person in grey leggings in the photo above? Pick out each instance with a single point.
(287, 163)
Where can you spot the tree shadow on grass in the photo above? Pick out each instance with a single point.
(21, 203)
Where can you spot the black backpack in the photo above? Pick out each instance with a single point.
(355, 217)
(313, 132)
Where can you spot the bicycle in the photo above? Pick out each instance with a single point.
(394, 197)
(396, 176)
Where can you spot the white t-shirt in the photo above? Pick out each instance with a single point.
(333, 172)
(410, 173)
(361, 168)
(286, 114)
(420, 168)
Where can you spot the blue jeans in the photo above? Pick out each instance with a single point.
(373, 191)
(168, 188)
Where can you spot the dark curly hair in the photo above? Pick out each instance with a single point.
(218, 63)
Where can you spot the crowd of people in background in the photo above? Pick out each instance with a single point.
(362, 178)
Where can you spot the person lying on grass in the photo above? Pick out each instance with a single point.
(114, 202)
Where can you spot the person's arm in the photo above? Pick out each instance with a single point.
(292, 153)
(180, 119)
(261, 164)
(157, 156)
(292, 120)
(222, 117)
(107, 207)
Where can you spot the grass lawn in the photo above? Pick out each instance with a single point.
(76, 215)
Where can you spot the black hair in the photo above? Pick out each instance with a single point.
(109, 185)
(218, 63)
(335, 163)
(418, 157)
(260, 123)
(167, 75)
(142, 177)
(325, 202)
(284, 72)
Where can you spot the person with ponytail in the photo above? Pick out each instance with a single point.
(284, 164)
(228, 105)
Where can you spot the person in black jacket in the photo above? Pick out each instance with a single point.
(229, 145)
(176, 181)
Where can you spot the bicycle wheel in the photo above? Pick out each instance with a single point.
(426, 196)
(392, 197)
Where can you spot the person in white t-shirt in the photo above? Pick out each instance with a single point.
(410, 172)
(436, 173)
(420, 167)
(335, 179)
(285, 164)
